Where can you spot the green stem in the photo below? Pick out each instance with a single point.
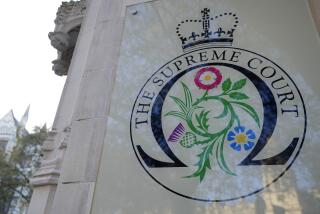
(220, 156)
(203, 141)
(192, 127)
(233, 113)
(206, 98)
(216, 138)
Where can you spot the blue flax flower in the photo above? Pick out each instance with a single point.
(239, 137)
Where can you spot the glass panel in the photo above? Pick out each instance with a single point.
(209, 110)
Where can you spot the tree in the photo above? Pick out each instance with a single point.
(16, 170)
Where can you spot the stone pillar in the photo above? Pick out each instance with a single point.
(80, 123)
(68, 21)
(81, 162)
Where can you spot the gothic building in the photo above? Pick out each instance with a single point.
(9, 126)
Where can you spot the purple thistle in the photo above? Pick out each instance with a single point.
(177, 133)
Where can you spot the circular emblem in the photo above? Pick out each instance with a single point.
(218, 124)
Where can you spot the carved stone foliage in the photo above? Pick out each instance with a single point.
(66, 32)
(59, 40)
(72, 8)
(60, 67)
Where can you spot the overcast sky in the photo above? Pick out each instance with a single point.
(26, 55)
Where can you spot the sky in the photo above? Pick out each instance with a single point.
(26, 75)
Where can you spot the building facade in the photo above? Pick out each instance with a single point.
(10, 129)
(100, 41)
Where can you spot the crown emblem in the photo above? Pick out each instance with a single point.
(207, 31)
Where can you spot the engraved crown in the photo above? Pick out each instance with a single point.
(207, 31)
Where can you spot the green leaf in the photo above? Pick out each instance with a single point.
(198, 118)
(180, 103)
(238, 96)
(176, 114)
(195, 107)
(247, 108)
(188, 95)
(204, 162)
(220, 159)
(226, 85)
(239, 84)
(203, 119)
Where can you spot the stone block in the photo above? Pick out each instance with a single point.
(105, 46)
(83, 153)
(110, 10)
(42, 199)
(73, 198)
(94, 94)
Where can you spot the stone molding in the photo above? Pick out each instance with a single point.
(49, 172)
(46, 175)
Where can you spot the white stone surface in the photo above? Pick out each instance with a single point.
(42, 199)
(74, 198)
(105, 45)
(114, 10)
(83, 154)
(92, 98)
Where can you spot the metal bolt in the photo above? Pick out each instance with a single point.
(133, 12)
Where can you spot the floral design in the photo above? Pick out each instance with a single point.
(208, 78)
(176, 133)
(240, 138)
(195, 119)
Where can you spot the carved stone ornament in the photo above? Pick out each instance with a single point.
(65, 139)
(60, 67)
(72, 8)
(49, 172)
(64, 37)
(59, 40)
